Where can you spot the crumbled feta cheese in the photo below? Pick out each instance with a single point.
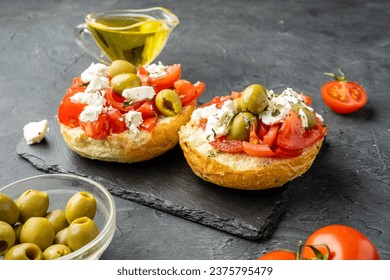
(133, 121)
(88, 98)
(34, 132)
(218, 120)
(91, 113)
(138, 94)
(94, 70)
(97, 83)
(157, 70)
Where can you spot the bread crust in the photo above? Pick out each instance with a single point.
(127, 147)
(240, 171)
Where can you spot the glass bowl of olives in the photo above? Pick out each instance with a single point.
(70, 203)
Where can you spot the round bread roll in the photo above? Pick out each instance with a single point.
(240, 171)
(128, 147)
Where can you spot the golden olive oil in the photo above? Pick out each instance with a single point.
(135, 38)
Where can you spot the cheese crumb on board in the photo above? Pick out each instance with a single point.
(34, 132)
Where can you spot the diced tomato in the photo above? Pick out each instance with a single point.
(253, 138)
(235, 94)
(257, 150)
(218, 101)
(117, 101)
(262, 129)
(227, 146)
(285, 153)
(313, 135)
(187, 91)
(290, 134)
(173, 74)
(69, 112)
(117, 123)
(307, 99)
(99, 129)
(148, 109)
(149, 124)
(270, 136)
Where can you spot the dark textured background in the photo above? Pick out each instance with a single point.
(228, 45)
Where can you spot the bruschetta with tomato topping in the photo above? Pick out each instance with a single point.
(255, 139)
(121, 113)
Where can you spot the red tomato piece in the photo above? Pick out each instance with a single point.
(99, 129)
(342, 96)
(270, 136)
(344, 243)
(227, 146)
(253, 138)
(149, 124)
(117, 123)
(257, 150)
(68, 111)
(218, 101)
(148, 109)
(173, 74)
(285, 153)
(187, 91)
(279, 255)
(290, 136)
(118, 102)
(307, 99)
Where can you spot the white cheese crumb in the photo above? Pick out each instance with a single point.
(94, 70)
(34, 132)
(156, 70)
(88, 98)
(91, 113)
(138, 94)
(133, 121)
(97, 83)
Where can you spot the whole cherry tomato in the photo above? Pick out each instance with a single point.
(279, 255)
(343, 96)
(339, 242)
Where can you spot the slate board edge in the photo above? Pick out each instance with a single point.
(231, 226)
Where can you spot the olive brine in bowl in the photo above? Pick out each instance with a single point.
(55, 216)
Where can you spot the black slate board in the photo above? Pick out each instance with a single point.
(168, 184)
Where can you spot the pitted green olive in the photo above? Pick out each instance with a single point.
(79, 205)
(60, 237)
(254, 99)
(39, 231)
(168, 102)
(32, 203)
(7, 237)
(80, 232)
(24, 251)
(240, 126)
(125, 80)
(121, 66)
(56, 251)
(9, 211)
(58, 220)
(311, 117)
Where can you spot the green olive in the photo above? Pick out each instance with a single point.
(311, 117)
(9, 211)
(237, 104)
(61, 238)
(17, 229)
(168, 102)
(254, 99)
(39, 231)
(240, 126)
(79, 205)
(80, 232)
(7, 237)
(56, 251)
(121, 66)
(125, 80)
(24, 251)
(58, 220)
(32, 203)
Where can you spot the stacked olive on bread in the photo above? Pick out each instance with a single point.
(255, 139)
(28, 232)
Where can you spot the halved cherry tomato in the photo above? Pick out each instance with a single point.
(187, 91)
(257, 150)
(228, 146)
(279, 255)
(173, 74)
(344, 243)
(343, 96)
(68, 111)
(290, 134)
(148, 124)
